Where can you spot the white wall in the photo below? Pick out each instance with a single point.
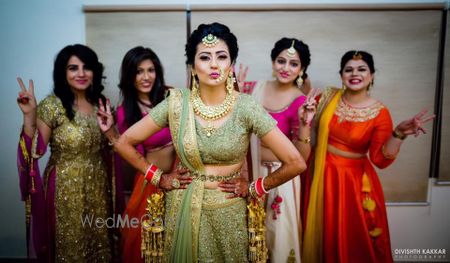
(33, 31)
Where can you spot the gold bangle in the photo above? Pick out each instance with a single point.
(305, 141)
(156, 177)
(398, 135)
(252, 190)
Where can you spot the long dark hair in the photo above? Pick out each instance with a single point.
(300, 46)
(128, 91)
(61, 87)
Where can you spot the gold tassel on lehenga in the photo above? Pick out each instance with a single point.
(257, 232)
(152, 244)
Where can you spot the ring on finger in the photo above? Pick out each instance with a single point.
(176, 183)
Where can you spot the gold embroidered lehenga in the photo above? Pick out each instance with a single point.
(201, 224)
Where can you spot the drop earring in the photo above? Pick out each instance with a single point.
(300, 79)
(194, 84)
(230, 82)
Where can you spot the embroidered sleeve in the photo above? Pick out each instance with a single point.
(50, 111)
(160, 113)
(259, 120)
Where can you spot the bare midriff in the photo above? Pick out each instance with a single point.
(346, 154)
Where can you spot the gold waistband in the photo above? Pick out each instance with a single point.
(196, 175)
(350, 155)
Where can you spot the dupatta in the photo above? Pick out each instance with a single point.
(186, 204)
(312, 240)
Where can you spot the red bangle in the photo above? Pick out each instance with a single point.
(150, 172)
(259, 187)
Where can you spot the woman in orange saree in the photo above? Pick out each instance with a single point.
(346, 218)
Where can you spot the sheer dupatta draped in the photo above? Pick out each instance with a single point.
(182, 237)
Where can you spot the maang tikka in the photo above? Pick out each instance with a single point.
(210, 40)
(357, 56)
(292, 51)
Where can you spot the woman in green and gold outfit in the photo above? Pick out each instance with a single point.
(205, 209)
(76, 191)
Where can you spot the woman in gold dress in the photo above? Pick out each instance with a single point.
(205, 210)
(77, 192)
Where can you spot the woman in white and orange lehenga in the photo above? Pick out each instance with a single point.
(282, 98)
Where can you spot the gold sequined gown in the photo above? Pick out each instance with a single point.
(77, 188)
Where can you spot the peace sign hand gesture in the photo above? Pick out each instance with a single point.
(307, 111)
(241, 76)
(414, 125)
(26, 99)
(105, 117)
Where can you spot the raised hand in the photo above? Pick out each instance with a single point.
(105, 118)
(308, 110)
(26, 99)
(414, 125)
(241, 76)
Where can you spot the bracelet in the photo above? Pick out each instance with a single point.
(156, 177)
(153, 174)
(398, 135)
(256, 188)
(252, 190)
(305, 141)
(262, 185)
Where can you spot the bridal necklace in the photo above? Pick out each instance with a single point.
(212, 113)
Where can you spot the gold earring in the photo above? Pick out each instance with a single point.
(300, 79)
(344, 87)
(274, 74)
(230, 82)
(194, 84)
